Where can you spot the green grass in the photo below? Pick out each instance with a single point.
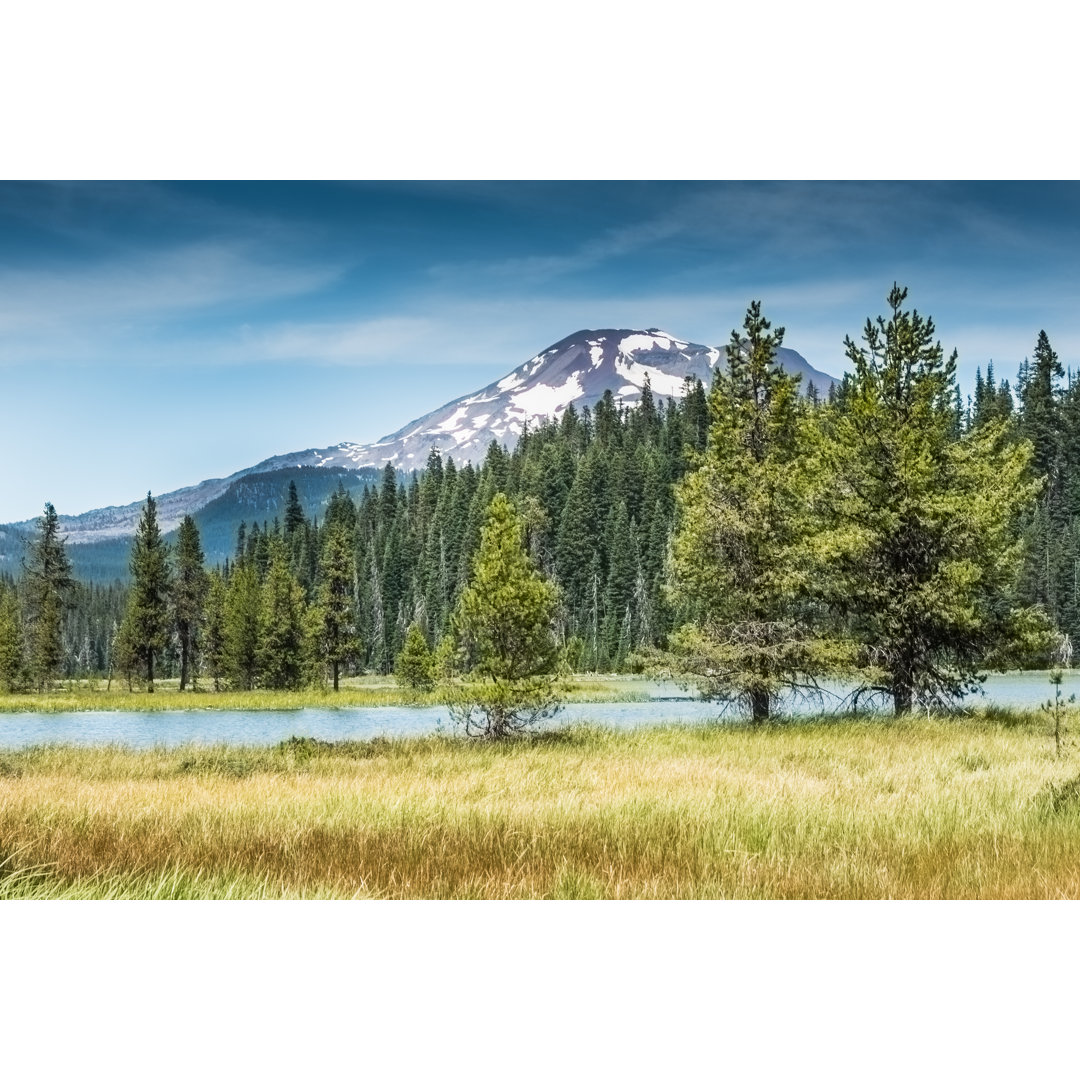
(366, 691)
(937, 808)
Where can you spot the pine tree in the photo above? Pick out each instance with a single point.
(415, 666)
(214, 640)
(11, 643)
(431, 484)
(502, 628)
(341, 513)
(240, 629)
(48, 583)
(127, 659)
(919, 551)
(396, 564)
(280, 650)
(259, 549)
(189, 596)
(148, 602)
(388, 494)
(337, 635)
(695, 415)
(1043, 421)
(294, 515)
(619, 591)
(577, 542)
(739, 549)
(1040, 400)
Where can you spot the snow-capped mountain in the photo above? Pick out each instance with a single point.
(577, 370)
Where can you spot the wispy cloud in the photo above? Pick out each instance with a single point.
(103, 214)
(746, 228)
(353, 342)
(84, 311)
(751, 221)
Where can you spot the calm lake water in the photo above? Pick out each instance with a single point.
(668, 703)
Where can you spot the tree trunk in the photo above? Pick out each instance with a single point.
(335, 666)
(150, 671)
(759, 706)
(183, 665)
(902, 693)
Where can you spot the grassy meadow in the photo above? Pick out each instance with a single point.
(357, 692)
(975, 806)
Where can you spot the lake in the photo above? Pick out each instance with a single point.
(668, 703)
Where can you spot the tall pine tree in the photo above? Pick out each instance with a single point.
(739, 551)
(48, 583)
(148, 601)
(280, 650)
(337, 634)
(189, 595)
(918, 546)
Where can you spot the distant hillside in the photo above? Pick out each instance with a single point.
(254, 496)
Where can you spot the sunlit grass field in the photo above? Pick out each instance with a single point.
(925, 808)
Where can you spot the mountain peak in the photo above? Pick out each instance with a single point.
(577, 370)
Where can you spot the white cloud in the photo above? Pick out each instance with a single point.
(357, 342)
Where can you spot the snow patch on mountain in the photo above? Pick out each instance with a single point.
(660, 382)
(634, 343)
(545, 400)
(453, 422)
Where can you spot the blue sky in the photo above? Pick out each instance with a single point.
(154, 335)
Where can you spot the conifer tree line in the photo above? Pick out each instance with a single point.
(754, 538)
(595, 494)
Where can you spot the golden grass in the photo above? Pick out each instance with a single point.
(923, 808)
